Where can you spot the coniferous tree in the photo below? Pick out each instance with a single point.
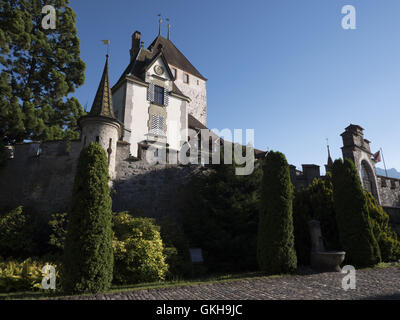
(353, 221)
(88, 253)
(39, 69)
(276, 253)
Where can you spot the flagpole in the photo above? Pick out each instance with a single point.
(383, 158)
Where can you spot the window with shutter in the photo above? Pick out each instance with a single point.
(157, 125)
(150, 92)
(166, 97)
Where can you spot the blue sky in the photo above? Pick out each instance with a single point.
(285, 68)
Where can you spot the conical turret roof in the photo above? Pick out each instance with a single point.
(102, 105)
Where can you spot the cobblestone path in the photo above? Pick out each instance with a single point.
(371, 284)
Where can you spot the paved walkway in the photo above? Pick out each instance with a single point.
(371, 284)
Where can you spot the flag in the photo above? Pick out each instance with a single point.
(377, 157)
(106, 42)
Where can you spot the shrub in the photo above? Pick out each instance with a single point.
(88, 253)
(387, 239)
(16, 234)
(176, 248)
(354, 225)
(25, 276)
(138, 250)
(302, 214)
(315, 202)
(58, 224)
(275, 250)
(221, 218)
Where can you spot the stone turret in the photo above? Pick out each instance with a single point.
(356, 148)
(100, 125)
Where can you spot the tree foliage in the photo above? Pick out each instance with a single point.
(315, 203)
(88, 253)
(275, 251)
(387, 239)
(222, 216)
(354, 225)
(39, 69)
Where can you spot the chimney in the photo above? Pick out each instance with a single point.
(135, 45)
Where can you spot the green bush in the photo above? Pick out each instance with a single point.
(387, 239)
(354, 225)
(16, 234)
(221, 218)
(315, 203)
(176, 249)
(58, 224)
(25, 276)
(275, 251)
(88, 252)
(138, 250)
(302, 214)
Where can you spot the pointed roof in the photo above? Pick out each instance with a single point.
(160, 47)
(330, 161)
(102, 105)
(174, 56)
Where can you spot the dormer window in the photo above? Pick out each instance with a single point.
(174, 72)
(159, 95)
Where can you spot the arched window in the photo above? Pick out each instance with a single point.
(367, 178)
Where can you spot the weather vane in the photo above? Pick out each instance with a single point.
(107, 43)
(159, 23)
(169, 28)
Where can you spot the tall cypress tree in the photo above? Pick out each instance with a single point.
(88, 254)
(354, 225)
(275, 251)
(39, 69)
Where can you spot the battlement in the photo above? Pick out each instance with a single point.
(389, 191)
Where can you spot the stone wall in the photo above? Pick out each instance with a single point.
(44, 183)
(154, 191)
(389, 191)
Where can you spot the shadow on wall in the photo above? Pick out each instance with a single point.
(156, 191)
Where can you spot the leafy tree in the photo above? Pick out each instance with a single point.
(275, 250)
(138, 250)
(39, 69)
(388, 241)
(88, 253)
(354, 225)
(222, 217)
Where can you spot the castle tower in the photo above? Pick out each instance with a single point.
(356, 148)
(100, 125)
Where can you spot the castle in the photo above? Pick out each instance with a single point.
(159, 97)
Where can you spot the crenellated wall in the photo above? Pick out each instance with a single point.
(389, 191)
